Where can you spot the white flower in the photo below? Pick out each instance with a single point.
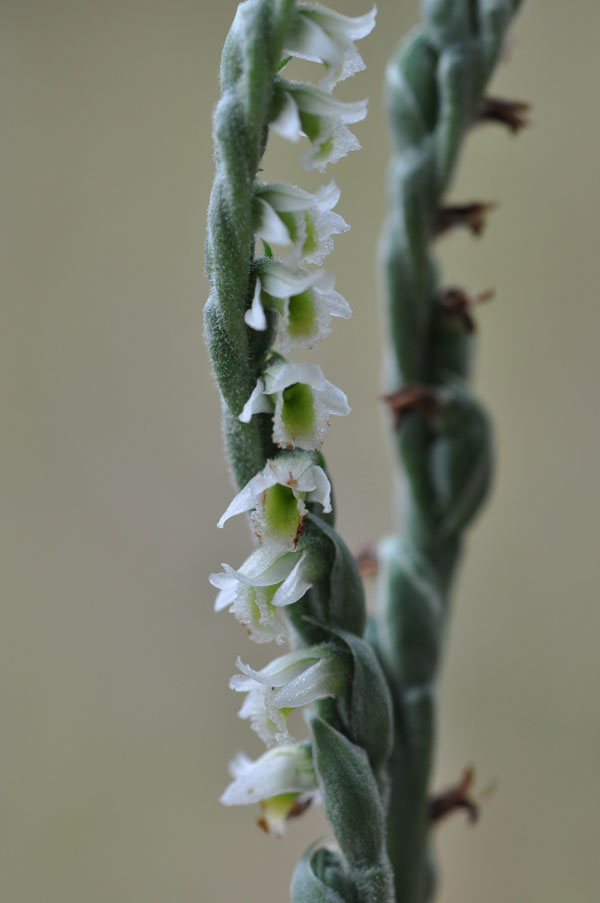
(306, 303)
(288, 682)
(303, 401)
(266, 581)
(308, 111)
(323, 36)
(278, 494)
(282, 780)
(288, 215)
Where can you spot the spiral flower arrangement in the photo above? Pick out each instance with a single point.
(369, 703)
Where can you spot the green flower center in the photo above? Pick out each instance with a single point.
(298, 410)
(281, 511)
(311, 241)
(302, 316)
(325, 149)
(311, 124)
(289, 220)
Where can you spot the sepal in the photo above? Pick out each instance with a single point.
(366, 706)
(409, 631)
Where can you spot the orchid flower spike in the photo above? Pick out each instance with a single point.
(277, 494)
(304, 110)
(286, 683)
(287, 215)
(267, 580)
(323, 36)
(282, 780)
(303, 400)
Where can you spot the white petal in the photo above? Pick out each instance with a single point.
(255, 316)
(349, 27)
(321, 679)
(321, 103)
(280, 376)
(246, 499)
(287, 124)
(327, 196)
(334, 400)
(295, 584)
(285, 769)
(258, 403)
(335, 304)
(308, 41)
(280, 281)
(270, 227)
(284, 197)
(322, 491)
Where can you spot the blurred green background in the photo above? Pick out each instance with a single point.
(117, 720)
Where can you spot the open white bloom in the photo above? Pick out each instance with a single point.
(267, 580)
(303, 401)
(288, 682)
(287, 215)
(277, 495)
(324, 36)
(306, 303)
(282, 780)
(314, 113)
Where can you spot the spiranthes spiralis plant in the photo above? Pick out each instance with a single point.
(368, 690)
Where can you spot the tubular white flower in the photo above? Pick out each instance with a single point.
(282, 780)
(306, 303)
(267, 580)
(303, 401)
(288, 682)
(323, 36)
(287, 215)
(277, 494)
(306, 110)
